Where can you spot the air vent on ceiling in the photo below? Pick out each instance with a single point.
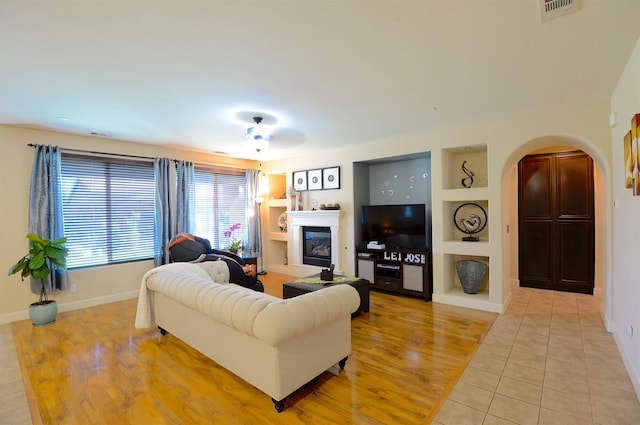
(551, 9)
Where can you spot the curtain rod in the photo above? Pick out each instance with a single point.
(32, 145)
(98, 153)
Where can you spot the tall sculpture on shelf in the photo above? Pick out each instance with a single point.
(467, 182)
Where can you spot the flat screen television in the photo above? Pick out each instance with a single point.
(396, 226)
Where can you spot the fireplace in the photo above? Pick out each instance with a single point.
(328, 220)
(316, 248)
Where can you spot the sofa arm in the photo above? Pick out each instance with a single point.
(280, 321)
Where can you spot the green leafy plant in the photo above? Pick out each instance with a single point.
(43, 254)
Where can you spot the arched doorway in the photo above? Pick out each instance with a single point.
(602, 199)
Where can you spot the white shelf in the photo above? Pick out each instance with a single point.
(479, 248)
(479, 301)
(471, 194)
(457, 291)
(278, 236)
(278, 203)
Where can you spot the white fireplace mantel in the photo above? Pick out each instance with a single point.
(323, 218)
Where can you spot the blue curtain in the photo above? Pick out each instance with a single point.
(254, 244)
(165, 209)
(45, 209)
(185, 220)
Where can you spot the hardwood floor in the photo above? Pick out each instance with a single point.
(93, 367)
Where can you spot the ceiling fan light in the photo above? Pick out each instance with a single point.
(258, 132)
(260, 144)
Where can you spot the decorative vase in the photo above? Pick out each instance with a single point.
(43, 313)
(471, 274)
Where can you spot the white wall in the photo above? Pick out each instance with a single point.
(625, 297)
(94, 285)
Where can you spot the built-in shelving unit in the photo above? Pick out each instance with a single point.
(274, 240)
(276, 208)
(449, 248)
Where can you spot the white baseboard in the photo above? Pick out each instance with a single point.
(14, 317)
(91, 302)
(634, 374)
(75, 305)
(507, 302)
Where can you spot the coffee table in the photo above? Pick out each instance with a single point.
(314, 283)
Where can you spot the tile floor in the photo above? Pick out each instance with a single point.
(548, 360)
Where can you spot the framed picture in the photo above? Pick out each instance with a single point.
(635, 152)
(299, 180)
(314, 178)
(331, 178)
(629, 161)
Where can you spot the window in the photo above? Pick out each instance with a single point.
(108, 207)
(221, 199)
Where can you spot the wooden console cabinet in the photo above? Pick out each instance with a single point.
(396, 270)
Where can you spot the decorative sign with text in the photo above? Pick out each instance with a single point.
(406, 257)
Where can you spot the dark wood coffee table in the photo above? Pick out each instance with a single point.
(313, 283)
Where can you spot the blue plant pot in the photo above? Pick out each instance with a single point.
(43, 314)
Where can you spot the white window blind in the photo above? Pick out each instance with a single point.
(108, 206)
(221, 199)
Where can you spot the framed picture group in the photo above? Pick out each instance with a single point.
(318, 179)
(632, 156)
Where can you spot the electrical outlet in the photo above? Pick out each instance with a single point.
(73, 288)
(628, 329)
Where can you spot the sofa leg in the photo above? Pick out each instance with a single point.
(162, 331)
(279, 404)
(343, 362)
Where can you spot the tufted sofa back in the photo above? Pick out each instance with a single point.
(256, 314)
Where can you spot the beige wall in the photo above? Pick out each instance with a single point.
(94, 285)
(510, 138)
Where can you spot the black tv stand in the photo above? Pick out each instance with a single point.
(402, 271)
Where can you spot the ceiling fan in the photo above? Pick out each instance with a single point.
(259, 134)
(265, 130)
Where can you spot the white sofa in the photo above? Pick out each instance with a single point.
(274, 344)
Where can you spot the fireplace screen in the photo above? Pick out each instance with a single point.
(316, 249)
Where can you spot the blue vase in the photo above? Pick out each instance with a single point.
(43, 314)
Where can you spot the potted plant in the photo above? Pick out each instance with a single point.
(43, 254)
(235, 245)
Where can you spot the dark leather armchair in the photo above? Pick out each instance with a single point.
(185, 247)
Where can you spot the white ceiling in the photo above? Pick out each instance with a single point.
(191, 74)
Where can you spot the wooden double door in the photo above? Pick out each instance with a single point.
(556, 222)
